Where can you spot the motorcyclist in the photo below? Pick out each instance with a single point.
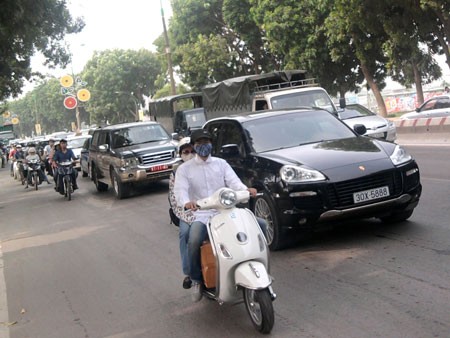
(32, 155)
(3, 154)
(62, 155)
(47, 150)
(20, 155)
(196, 179)
(12, 152)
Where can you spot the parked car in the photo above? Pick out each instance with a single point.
(76, 144)
(376, 126)
(437, 106)
(312, 169)
(130, 153)
(84, 157)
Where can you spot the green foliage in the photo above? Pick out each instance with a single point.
(30, 26)
(118, 81)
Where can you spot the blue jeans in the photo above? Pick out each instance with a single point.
(197, 234)
(184, 237)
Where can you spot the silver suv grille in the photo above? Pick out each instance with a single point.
(154, 158)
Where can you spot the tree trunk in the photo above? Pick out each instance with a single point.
(376, 91)
(418, 83)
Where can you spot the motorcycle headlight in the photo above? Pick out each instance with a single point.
(400, 156)
(291, 173)
(129, 162)
(228, 198)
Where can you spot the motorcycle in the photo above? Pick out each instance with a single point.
(65, 170)
(33, 176)
(237, 267)
(3, 158)
(19, 171)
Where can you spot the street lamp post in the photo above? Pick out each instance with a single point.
(169, 55)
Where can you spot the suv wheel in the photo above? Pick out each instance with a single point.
(265, 210)
(99, 185)
(122, 190)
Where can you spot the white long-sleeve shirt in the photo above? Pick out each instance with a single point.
(197, 179)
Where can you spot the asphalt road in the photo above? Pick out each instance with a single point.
(99, 267)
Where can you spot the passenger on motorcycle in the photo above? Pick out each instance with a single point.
(32, 155)
(62, 155)
(11, 154)
(180, 217)
(196, 179)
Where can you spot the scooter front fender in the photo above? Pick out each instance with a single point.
(252, 275)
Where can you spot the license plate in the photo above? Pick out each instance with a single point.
(159, 167)
(372, 194)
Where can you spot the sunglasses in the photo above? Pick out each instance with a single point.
(187, 152)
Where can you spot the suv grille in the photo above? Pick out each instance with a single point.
(341, 194)
(154, 158)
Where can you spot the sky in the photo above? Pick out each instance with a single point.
(130, 24)
(110, 24)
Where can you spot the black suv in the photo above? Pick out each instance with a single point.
(129, 153)
(313, 168)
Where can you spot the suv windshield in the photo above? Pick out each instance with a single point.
(195, 119)
(311, 98)
(138, 134)
(294, 129)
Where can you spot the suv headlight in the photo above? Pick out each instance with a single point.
(129, 162)
(291, 173)
(400, 156)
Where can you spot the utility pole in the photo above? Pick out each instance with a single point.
(169, 56)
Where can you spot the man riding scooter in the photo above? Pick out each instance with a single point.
(197, 179)
(33, 156)
(62, 155)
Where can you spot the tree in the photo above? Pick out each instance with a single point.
(222, 35)
(296, 30)
(118, 80)
(26, 27)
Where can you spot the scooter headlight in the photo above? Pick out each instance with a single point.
(228, 198)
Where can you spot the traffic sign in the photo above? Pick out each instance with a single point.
(70, 102)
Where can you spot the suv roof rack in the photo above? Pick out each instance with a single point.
(283, 85)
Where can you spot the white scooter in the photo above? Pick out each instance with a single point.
(241, 258)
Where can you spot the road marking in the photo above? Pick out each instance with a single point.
(4, 329)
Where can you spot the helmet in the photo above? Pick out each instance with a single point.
(184, 142)
(32, 150)
(19, 146)
(200, 133)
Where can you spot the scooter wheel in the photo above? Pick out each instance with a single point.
(260, 309)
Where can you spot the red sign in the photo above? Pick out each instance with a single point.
(70, 102)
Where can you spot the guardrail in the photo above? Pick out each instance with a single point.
(425, 130)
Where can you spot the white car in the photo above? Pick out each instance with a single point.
(376, 126)
(76, 144)
(437, 106)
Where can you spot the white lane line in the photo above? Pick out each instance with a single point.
(4, 323)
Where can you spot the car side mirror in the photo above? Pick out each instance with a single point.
(175, 136)
(417, 110)
(360, 129)
(230, 151)
(103, 148)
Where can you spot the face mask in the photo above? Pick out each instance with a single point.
(187, 157)
(203, 149)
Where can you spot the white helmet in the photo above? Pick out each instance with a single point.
(31, 150)
(183, 142)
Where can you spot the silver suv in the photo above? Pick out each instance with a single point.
(130, 153)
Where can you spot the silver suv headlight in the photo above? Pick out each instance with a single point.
(400, 156)
(291, 173)
(129, 162)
